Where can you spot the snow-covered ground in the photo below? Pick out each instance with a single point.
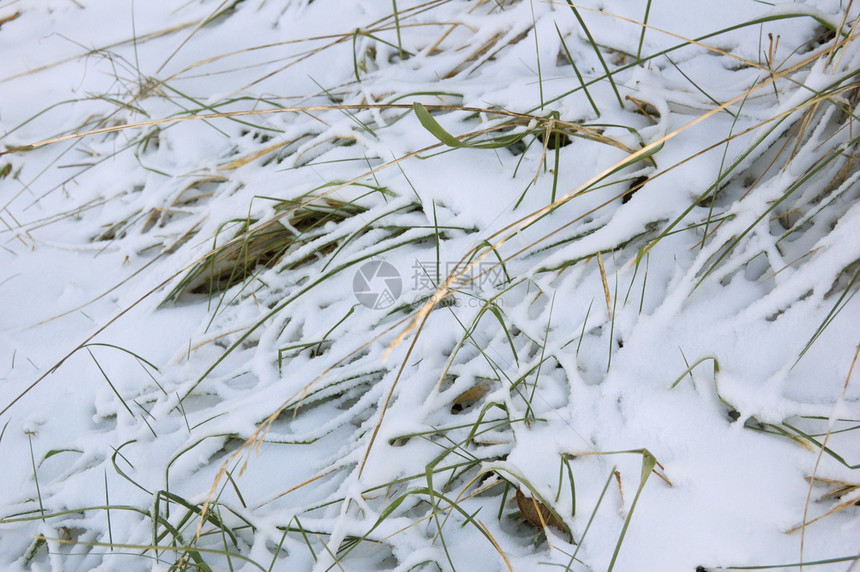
(429, 285)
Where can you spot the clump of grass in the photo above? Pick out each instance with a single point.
(254, 246)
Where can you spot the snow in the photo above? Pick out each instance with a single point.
(290, 411)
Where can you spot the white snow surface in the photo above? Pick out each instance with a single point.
(726, 358)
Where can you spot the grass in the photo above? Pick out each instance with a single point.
(408, 427)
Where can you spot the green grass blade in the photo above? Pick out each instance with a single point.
(576, 71)
(648, 463)
(596, 51)
(644, 27)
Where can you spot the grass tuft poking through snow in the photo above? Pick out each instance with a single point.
(429, 285)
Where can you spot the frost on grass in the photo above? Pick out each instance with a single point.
(616, 328)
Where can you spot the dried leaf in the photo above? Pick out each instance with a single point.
(536, 513)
